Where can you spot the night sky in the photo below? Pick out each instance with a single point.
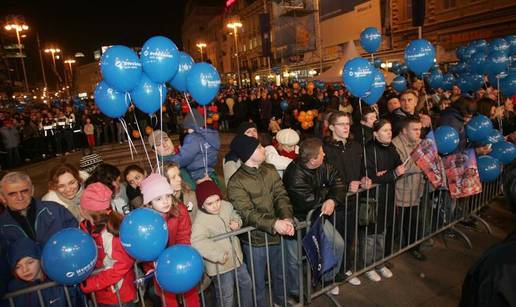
(85, 26)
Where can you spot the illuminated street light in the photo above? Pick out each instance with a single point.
(201, 45)
(19, 27)
(53, 52)
(235, 25)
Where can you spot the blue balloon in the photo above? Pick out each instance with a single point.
(403, 69)
(179, 268)
(370, 39)
(144, 234)
(499, 45)
(399, 84)
(478, 128)
(284, 105)
(494, 137)
(504, 151)
(377, 62)
(464, 83)
(488, 168)
(121, 68)
(460, 52)
(396, 67)
(436, 79)
(377, 88)
(185, 64)
(447, 139)
(146, 95)
(203, 83)
(160, 59)
(508, 85)
(357, 76)
(480, 45)
(462, 67)
(469, 53)
(69, 256)
(477, 63)
(435, 67)
(497, 62)
(419, 56)
(476, 81)
(511, 39)
(448, 81)
(110, 102)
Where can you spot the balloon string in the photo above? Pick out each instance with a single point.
(129, 142)
(363, 135)
(205, 151)
(161, 119)
(500, 125)
(143, 143)
(191, 111)
(155, 151)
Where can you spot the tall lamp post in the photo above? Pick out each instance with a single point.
(70, 62)
(235, 26)
(53, 52)
(201, 45)
(19, 28)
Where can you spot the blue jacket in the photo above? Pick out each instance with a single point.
(199, 146)
(50, 218)
(53, 296)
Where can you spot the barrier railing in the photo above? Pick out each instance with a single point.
(373, 226)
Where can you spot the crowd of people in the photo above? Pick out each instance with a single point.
(276, 172)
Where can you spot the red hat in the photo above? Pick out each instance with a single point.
(96, 197)
(206, 189)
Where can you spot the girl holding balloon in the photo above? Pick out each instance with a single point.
(114, 284)
(158, 194)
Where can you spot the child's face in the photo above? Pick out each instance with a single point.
(28, 269)
(174, 178)
(212, 204)
(162, 204)
(134, 178)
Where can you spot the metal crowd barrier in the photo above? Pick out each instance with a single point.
(402, 215)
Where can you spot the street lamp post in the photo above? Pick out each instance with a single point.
(53, 52)
(201, 45)
(19, 28)
(70, 62)
(235, 25)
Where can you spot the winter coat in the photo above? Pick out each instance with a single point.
(71, 205)
(273, 157)
(117, 269)
(362, 133)
(198, 146)
(409, 188)
(208, 225)
(259, 197)
(310, 188)
(230, 165)
(10, 137)
(53, 296)
(49, 218)
(346, 158)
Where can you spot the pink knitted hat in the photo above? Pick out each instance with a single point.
(96, 197)
(154, 186)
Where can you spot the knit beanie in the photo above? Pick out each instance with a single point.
(23, 247)
(189, 123)
(154, 186)
(206, 189)
(96, 197)
(287, 137)
(242, 128)
(244, 146)
(156, 137)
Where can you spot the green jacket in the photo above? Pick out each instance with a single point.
(259, 197)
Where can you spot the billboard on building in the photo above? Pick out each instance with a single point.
(293, 27)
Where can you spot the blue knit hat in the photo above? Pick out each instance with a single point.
(23, 247)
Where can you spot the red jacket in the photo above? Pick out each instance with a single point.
(179, 232)
(117, 265)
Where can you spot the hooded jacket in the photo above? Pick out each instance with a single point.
(409, 188)
(199, 147)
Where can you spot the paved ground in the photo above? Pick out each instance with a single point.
(436, 282)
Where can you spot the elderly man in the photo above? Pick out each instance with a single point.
(25, 216)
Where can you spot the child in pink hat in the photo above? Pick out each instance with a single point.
(158, 195)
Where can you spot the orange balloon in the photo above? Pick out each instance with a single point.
(310, 124)
(209, 121)
(302, 113)
(164, 109)
(148, 130)
(309, 118)
(305, 125)
(136, 134)
(301, 118)
(215, 117)
(310, 113)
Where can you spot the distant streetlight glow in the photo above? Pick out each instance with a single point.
(235, 25)
(19, 27)
(201, 45)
